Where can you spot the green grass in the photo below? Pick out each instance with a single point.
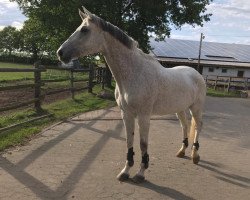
(14, 65)
(61, 110)
(10, 76)
(18, 78)
(218, 93)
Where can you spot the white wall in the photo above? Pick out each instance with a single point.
(247, 73)
(230, 71)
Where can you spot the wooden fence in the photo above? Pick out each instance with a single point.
(39, 82)
(228, 82)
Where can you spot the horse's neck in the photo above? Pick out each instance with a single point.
(120, 60)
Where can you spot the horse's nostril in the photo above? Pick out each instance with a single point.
(60, 53)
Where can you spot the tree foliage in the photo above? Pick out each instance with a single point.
(139, 18)
(10, 39)
(29, 40)
(33, 38)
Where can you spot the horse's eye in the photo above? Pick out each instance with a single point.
(84, 30)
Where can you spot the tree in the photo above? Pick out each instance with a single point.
(139, 18)
(10, 39)
(34, 40)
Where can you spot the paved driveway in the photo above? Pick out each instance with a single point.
(79, 159)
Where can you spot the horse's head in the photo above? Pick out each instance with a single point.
(86, 40)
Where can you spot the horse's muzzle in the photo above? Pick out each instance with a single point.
(62, 56)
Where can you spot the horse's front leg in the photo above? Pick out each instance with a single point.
(129, 123)
(143, 123)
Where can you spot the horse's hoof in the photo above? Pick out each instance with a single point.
(138, 179)
(123, 177)
(196, 159)
(180, 154)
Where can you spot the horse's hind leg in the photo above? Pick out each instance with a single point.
(195, 129)
(184, 124)
(129, 123)
(143, 123)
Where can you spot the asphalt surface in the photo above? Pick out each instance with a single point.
(80, 158)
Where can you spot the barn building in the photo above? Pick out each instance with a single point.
(221, 59)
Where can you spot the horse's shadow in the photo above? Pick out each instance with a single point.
(217, 169)
(169, 192)
(231, 178)
(213, 167)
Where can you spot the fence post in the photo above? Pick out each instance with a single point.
(229, 83)
(215, 85)
(245, 83)
(91, 78)
(104, 76)
(37, 79)
(72, 83)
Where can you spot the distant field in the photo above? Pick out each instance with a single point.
(23, 76)
(14, 65)
(5, 76)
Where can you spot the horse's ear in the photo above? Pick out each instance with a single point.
(82, 15)
(86, 11)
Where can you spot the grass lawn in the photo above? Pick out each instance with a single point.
(9, 76)
(217, 93)
(14, 78)
(61, 110)
(14, 65)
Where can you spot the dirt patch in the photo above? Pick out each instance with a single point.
(8, 98)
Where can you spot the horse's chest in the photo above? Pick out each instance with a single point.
(127, 100)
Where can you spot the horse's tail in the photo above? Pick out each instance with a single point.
(192, 131)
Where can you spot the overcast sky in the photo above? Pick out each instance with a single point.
(230, 22)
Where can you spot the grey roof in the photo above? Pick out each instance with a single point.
(207, 63)
(175, 48)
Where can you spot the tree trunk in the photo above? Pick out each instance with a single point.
(35, 55)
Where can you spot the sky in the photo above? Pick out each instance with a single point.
(230, 22)
(10, 14)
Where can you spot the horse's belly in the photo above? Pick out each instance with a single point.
(158, 110)
(165, 106)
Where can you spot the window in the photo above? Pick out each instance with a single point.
(240, 73)
(223, 70)
(211, 69)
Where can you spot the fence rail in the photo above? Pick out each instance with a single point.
(25, 122)
(19, 105)
(39, 82)
(22, 70)
(228, 82)
(14, 87)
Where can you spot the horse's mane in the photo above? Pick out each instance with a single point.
(114, 31)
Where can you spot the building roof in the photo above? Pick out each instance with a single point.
(206, 63)
(211, 52)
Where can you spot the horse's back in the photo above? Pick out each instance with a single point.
(186, 77)
(179, 88)
(189, 74)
